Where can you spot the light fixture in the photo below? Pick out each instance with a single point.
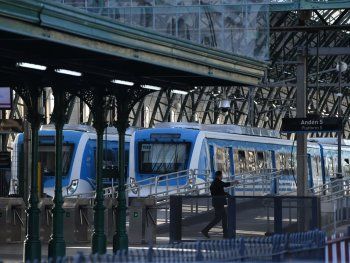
(30, 65)
(68, 72)
(341, 66)
(339, 94)
(122, 82)
(151, 87)
(181, 92)
(274, 105)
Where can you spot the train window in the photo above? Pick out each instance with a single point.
(240, 161)
(346, 167)
(47, 159)
(330, 166)
(268, 160)
(251, 161)
(222, 161)
(110, 158)
(260, 160)
(280, 161)
(162, 158)
(315, 165)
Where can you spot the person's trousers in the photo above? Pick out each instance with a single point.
(220, 215)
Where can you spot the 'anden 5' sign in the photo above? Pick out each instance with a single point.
(329, 124)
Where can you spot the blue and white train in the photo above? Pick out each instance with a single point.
(173, 147)
(79, 151)
(233, 149)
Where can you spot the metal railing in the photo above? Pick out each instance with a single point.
(197, 182)
(274, 248)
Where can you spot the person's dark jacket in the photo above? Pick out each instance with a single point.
(217, 191)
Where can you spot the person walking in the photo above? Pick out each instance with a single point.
(218, 201)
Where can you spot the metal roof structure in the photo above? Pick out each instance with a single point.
(317, 24)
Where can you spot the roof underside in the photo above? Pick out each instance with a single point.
(57, 37)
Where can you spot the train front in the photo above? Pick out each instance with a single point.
(161, 159)
(46, 163)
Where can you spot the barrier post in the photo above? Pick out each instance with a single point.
(278, 215)
(175, 225)
(231, 220)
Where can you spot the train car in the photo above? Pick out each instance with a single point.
(329, 152)
(78, 160)
(173, 147)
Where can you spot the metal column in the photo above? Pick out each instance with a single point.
(301, 137)
(120, 239)
(340, 133)
(99, 240)
(32, 244)
(57, 245)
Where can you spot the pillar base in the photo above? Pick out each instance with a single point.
(99, 242)
(120, 242)
(57, 248)
(32, 250)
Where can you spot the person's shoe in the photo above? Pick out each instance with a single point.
(205, 233)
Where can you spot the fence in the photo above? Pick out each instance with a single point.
(247, 216)
(277, 247)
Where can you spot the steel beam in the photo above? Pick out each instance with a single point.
(297, 5)
(329, 51)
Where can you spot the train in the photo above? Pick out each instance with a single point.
(169, 148)
(78, 160)
(233, 149)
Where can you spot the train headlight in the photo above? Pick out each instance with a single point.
(133, 185)
(72, 187)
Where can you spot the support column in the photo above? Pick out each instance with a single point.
(99, 240)
(340, 133)
(301, 137)
(57, 245)
(120, 239)
(32, 244)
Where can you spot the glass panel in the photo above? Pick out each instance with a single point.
(237, 26)
(162, 158)
(330, 166)
(240, 162)
(110, 158)
(260, 160)
(222, 161)
(47, 159)
(346, 167)
(251, 161)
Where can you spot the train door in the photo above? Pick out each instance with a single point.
(309, 169)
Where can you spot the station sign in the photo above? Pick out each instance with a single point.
(313, 124)
(5, 98)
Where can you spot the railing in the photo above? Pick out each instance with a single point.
(274, 248)
(246, 215)
(335, 202)
(194, 182)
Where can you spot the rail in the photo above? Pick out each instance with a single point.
(197, 182)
